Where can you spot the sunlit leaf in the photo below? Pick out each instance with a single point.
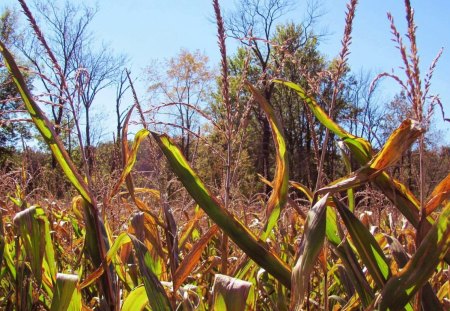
(136, 300)
(358, 144)
(241, 235)
(280, 183)
(189, 227)
(400, 289)
(429, 299)
(96, 237)
(131, 160)
(311, 247)
(368, 249)
(440, 194)
(230, 294)
(192, 259)
(34, 229)
(302, 188)
(121, 240)
(399, 141)
(361, 151)
(45, 127)
(63, 297)
(156, 294)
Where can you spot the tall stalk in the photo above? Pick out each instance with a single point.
(229, 123)
(337, 85)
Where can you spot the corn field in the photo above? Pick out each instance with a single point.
(325, 255)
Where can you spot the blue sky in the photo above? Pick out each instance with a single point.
(154, 29)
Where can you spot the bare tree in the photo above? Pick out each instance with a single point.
(96, 71)
(122, 86)
(66, 30)
(82, 70)
(366, 116)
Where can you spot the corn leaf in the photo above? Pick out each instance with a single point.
(356, 144)
(348, 167)
(63, 296)
(354, 272)
(144, 228)
(362, 152)
(9, 261)
(136, 300)
(155, 291)
(240, 234)
(33, 227)
(97, 245)
(440, 194)
(230, 294)
(302, 188)
(192, 259)
(400, 289)
(24, 292)
(120, 241)
(189, 227)
(311, 247)
(280, 184)
(368, 249)
(395, 191)
(399, 141)
(343, 249)
(131, 160)
(429, 299)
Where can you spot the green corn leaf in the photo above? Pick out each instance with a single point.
(120, 241)
(429, 299)
(9, 261)
(33, 227)
(144, 228)
(401, 288)
(230, 294)
(354, 272)
(97, 245)
(240, 234)
(190, 226)
(368, 249)
(136, 300)
(395, 191)
(280, 184)
(344, 251)
(312, 245)
(2, 247)
(155, 291)
(64, 296)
